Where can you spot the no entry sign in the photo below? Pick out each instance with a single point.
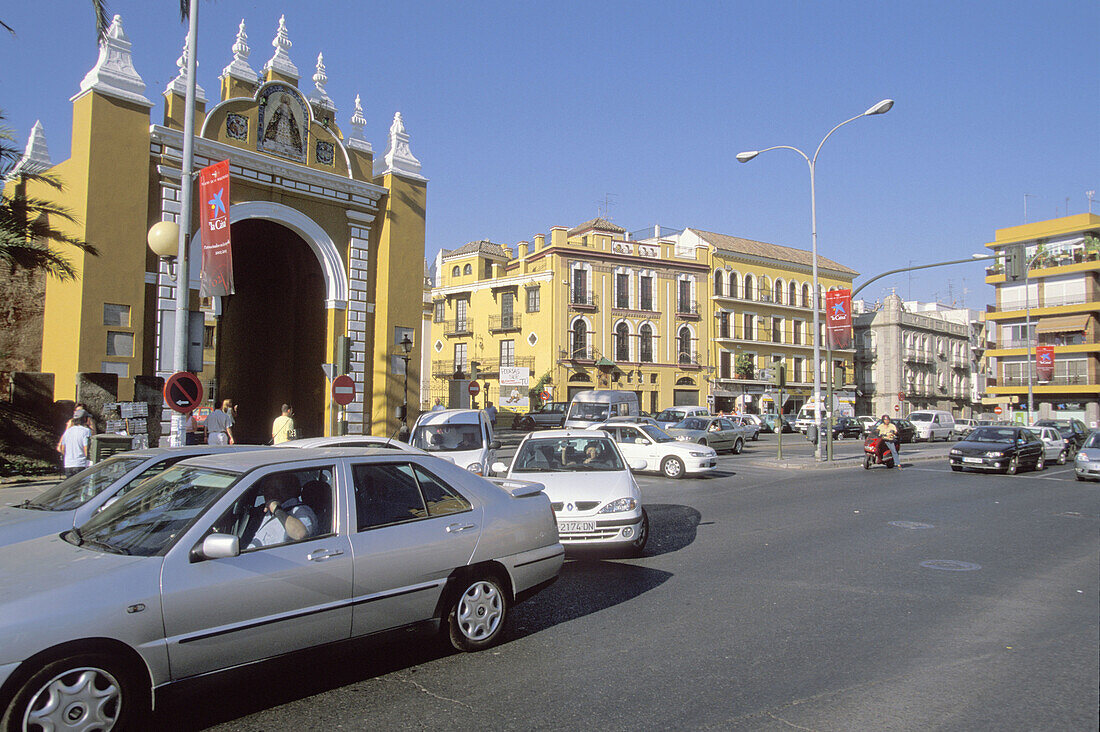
(183, 391)
(997, 410)
(475, 388)
(343, 390)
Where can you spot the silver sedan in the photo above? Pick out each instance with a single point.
(227, 560)
(718, 432)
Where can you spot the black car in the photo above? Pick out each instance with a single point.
(770, 421)
(1073, 431)
(551, 415)
(1007, 449)
(906, 431)
(847, 427)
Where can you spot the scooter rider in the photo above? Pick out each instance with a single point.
(888, 431)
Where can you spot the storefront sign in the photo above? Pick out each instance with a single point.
(838, 319)
(216, 279)
(1044, 362)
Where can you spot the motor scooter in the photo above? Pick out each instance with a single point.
(877, 452)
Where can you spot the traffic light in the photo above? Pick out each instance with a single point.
(473, 370)
(343, 355)
(1014, 262)
(838, 377)
(779, 374)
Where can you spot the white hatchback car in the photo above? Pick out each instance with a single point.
(662, 453)
(592, 491)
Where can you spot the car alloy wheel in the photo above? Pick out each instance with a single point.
(1013, 466)
(477, 617)
(1041, 463)
(738, 446)
(1062, 458)
(672, 467)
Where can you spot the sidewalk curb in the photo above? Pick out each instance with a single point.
(845, 462)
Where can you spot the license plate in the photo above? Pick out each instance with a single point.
(972, 460)
(572, 527)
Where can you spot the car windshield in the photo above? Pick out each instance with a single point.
(920, 417)
(992, 434)
(1093, 440)
(567, 454)
(656, 433)
(147, 520)
(1064, 426)
(589, 411)
(692, 423)
(448, 437)
(670, 415)
(84, 486)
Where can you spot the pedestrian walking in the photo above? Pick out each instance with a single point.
(73, 446)
(438, 405)
(491, 413)
(283, 427)
(219, 425)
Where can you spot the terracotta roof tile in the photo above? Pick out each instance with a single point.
(477, 247)
(737, 245)
(599, 224)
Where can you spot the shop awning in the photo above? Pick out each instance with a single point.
(1064, 324)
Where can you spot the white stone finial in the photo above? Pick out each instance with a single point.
(398, 158)
(239, 68)
(357, 141)
(281, 62)
(320, 98)
(114, 73)
(178, 85)
(36, 156)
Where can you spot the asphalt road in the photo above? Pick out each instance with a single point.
(832, 599)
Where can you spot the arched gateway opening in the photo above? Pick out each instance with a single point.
(271, 338)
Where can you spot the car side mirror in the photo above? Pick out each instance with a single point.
(641, 441)
(637, 464)
(498, 468)
(217, 546)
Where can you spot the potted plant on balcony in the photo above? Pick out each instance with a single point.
(1092, 249)
(743, 367)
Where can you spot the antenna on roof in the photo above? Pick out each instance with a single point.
(603, 208)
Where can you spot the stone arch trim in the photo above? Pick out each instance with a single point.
(318, 240)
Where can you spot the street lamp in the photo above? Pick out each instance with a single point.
(406, 346)
(881, 108)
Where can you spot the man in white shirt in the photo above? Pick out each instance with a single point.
(219, 425)
(286, 518)
(74, 446)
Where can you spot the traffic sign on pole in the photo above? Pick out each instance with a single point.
(343, 390)
(474, 388)
(545, 396)
(901, 395)
(897, 407)
(183, 391)
(997, 410)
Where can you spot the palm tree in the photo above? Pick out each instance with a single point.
(27, 222)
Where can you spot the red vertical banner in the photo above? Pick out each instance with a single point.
(1044, 362)
(216, 278)
(838, 319)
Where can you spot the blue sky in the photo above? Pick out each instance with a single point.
(526, 115)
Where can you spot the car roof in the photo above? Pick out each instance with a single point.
(245, 461)
(620, 422)
(558, 434)
(153, 452)
(450, 416)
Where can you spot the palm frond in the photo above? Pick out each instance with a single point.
(102, 19)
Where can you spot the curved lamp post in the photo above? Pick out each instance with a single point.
(881, 108)
(406, 346)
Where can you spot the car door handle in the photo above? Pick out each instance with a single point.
(455, 528)
(322, 554)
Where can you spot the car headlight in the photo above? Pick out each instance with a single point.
(994, 454)
(1082, 457)
(693, 453)
(622, 504)
(474, 468)
(956, 452)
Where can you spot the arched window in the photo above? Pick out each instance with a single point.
(750, 290)
(467, 270)
(645, 343)
(806, 296)
(683, 339)
(622, 342)
(685, 381)
(764, 290)
(580, 339)
(734, 284)
(718, 282)
(455, 272)
(778, 291)
(792, 293)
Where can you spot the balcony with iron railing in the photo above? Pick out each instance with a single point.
(1075, 379)
(766, 298)
(457, 327)
(687, 360)
(504, 323)
(492, 365)
(583, 353)
(687, 309)
(582, 299)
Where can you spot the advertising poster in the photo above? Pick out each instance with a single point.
(838, 319)
(515, 383)
(216, 277)
(1044, 362)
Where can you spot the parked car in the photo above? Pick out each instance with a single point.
(1086, 465)
(867, 421)
(634, 420)
(751, 426)
(962, 427)
(185, 576)
(932, 424)
(786, 420)
(1073, 431)
(847, 427)
(365, 441)
(1054, 445)
(79, 497)
(592, 491)
(718, 432)
(673, 416)
(462, 436)
(599, 405)
(549, 416)
(643, 442)
(1006, 449)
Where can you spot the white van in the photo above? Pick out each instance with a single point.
(593, 407)
(461, 436)
(675, 415)
(932, 424)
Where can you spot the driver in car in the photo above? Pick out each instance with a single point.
(285, 518)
